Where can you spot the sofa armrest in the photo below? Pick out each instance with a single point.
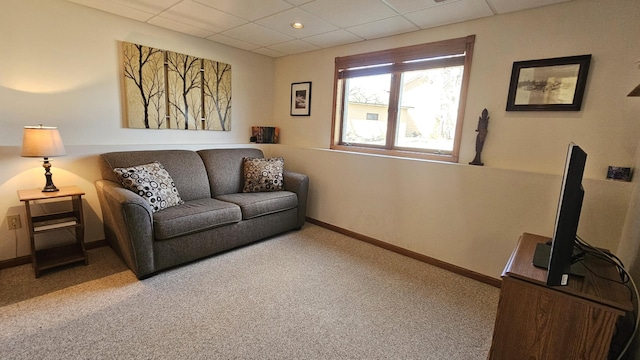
(299, 184)
(128, 222)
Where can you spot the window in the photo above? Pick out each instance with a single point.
(404, 102)
(372, 116)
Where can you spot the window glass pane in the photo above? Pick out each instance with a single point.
(429, 108)
(366, 109)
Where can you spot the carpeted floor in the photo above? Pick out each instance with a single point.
(309, 294)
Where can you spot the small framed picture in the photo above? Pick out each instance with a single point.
(301, 99)
(555, 84)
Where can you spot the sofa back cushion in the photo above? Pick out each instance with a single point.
(225, 168)
(184, 166)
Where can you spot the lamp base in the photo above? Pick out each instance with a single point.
(49, 187)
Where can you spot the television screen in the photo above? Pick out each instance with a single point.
(561, 253)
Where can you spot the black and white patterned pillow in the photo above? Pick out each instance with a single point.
(262, 174)
(152, 182)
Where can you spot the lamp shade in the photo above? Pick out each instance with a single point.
(42, 141)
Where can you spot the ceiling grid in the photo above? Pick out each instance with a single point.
(264, 26)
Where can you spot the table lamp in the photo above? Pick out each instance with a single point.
(43, 141)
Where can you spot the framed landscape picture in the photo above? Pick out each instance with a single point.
(555, 84)
(301, 99)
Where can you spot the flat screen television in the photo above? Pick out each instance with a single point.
(561, 253)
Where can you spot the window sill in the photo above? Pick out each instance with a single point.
(398, 153)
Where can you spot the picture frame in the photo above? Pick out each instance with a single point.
(301, 99)
(555, 84)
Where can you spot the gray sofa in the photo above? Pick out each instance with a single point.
(216, 215)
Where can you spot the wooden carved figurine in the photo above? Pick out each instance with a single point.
(483, 125)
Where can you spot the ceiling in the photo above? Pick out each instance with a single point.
(264, 26)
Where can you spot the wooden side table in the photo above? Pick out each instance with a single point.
(59, 255)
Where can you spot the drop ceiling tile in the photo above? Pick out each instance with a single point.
(505, 6)
(450, 13)
(248, 9)
(152, 6)
(222, 39)
(405, 6)
(179, 27)
(298, 2)
(293, 47)
(334, 38)
(382, 28)
(202, 16)
(269, 52)
(256, 34)
(349, 13)
(116, 8)
(281, 22)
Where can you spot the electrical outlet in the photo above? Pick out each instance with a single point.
(13, 222)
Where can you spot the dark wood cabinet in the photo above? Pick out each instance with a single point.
(536, 321)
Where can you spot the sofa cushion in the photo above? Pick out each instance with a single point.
(185, 166)
(225, 168)
(152, 182)
(262, 203)
(194, 216)
(262, 174)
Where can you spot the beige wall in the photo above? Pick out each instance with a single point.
(60, 67)
(472, 216)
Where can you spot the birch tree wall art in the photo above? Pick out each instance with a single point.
(144, 84)
(217, 95)
(184, 90)
(169, 90)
